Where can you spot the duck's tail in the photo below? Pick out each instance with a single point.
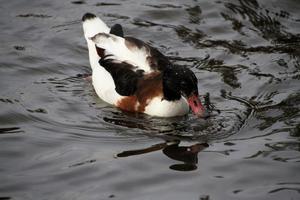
(93, 25)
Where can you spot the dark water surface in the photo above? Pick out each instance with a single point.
(59, 141)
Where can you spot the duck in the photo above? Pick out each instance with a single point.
(136, 77)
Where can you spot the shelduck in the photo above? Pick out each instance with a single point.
(133, 76)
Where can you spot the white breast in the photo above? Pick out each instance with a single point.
(163, 108)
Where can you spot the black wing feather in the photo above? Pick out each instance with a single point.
(117, 30)
(123, 74)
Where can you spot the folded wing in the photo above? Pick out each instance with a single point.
(131, 51)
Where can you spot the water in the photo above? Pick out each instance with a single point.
(59, 141)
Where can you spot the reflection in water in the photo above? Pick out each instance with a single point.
(275, 150)
(188, 35)
(296, 131)
(5, 198)
(286, 110)
(263, 20)
(186, 154)
(10, 130)
(194, 14)
(34, 15)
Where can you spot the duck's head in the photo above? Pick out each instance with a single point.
(180, 81)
